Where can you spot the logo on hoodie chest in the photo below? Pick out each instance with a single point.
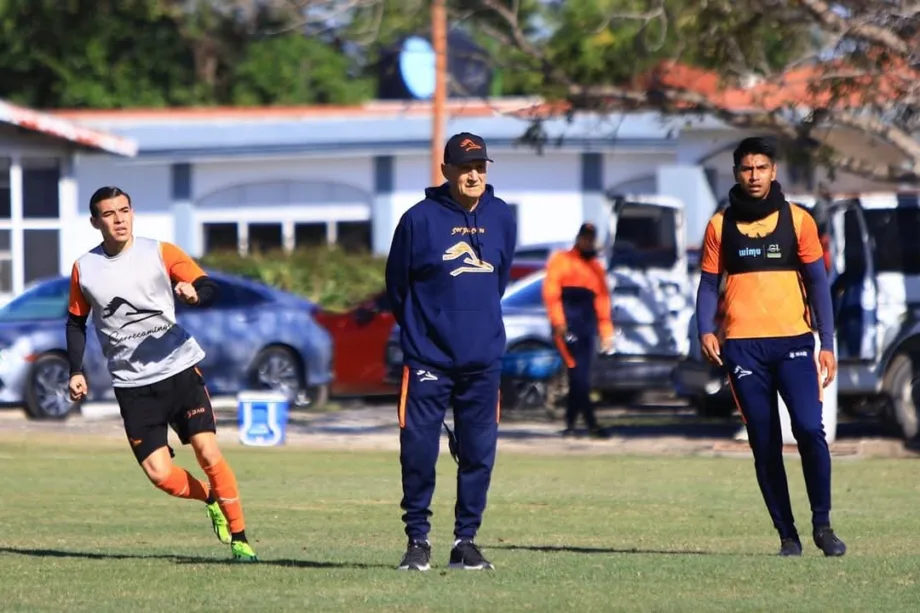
(469, 261)
(466, 230)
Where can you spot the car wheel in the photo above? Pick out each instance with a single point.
(314, 397)
(278, 369)
(902, 387)
(547, 395)
(46, 393)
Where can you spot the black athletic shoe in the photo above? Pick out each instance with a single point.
(790, 547)
(466, 555)
(828, 542)
(418, 556)
(568, 433)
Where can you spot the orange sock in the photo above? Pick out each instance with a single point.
(223, 482)
(181, 484)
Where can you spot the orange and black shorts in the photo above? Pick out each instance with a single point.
(180, 402)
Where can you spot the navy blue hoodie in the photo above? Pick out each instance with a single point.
(446, 273)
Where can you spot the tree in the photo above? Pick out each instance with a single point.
(155, 53)
(805, 70)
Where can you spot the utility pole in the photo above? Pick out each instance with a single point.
(439, 42)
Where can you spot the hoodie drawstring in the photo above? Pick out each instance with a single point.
(474, 234)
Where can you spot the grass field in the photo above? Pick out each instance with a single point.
(84, 531)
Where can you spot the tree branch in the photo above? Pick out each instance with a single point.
(824, 13)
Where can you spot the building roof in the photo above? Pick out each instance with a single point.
(60, 128)
(811, 85)
(390, 126)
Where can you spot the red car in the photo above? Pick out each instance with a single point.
(359, 341)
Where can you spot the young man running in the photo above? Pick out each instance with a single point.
(127, 284)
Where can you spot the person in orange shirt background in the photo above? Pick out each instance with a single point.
(577, 300)
(768, 254)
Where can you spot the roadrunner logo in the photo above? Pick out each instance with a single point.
(130, 313)
(741, 373)
(425, 375)
(468, 145)
(470, 259)
(798, 354)
(123, 311)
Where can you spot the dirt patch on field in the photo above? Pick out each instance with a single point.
(666, 430)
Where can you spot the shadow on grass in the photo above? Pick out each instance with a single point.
(180, 559)
(602, 550)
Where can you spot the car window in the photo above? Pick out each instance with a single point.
(236, 296)
(895, 245)
(646, 237)
(45, 301)
(528, 296)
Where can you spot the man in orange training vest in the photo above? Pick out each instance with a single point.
(577, 299)
(769, 255)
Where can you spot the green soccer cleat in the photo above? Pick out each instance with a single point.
(242, 552)
(219, 523)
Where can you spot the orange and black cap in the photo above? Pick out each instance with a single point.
(464, 148)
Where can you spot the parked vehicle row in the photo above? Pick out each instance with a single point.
(260, 337)
(255, 337)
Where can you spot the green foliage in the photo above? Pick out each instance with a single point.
(593, 48)
(311, 71)
(129, 53)
(110, 54)
(333, 278)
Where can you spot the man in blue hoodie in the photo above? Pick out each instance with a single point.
(446, 273)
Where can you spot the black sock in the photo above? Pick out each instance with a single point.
(239, 536)
(211, 497)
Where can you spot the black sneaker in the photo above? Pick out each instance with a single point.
(828, 542)
(418, 556)
(790, 547)
(466, 555)
(568, 433)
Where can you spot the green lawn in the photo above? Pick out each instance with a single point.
(83, 531)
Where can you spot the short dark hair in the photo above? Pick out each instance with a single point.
(755, 145)
(105, 193)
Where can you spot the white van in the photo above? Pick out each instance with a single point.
(652, 298)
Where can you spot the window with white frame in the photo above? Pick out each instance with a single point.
(284, 215)
(221, 236)
(30, 223)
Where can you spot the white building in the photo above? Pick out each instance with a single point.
(283, 177)
(39, 196)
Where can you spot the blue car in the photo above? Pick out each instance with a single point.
(255, 337)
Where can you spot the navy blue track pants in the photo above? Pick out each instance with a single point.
(758, 369)
(578, 353)
(425, 395)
